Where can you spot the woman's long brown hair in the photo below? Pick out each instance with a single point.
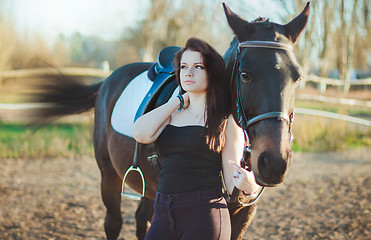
(218, 106)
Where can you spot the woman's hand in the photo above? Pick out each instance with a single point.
(243, 179)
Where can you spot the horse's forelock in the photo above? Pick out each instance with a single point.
(261, 22)
(261, 19)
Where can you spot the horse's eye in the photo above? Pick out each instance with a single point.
(245, 77)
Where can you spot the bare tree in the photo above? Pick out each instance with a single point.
(7, 40)
(168, 23)
(327, 16)
(350, 47)
(305, 46)
(337, 36)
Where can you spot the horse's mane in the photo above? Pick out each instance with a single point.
(261, 19)
(232, 45)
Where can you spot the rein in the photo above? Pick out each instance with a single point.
(243, 121)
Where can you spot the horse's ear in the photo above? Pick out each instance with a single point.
(240, 26)
(297, 25)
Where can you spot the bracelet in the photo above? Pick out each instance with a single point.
(181, 99)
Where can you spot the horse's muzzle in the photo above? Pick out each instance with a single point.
(271, 169)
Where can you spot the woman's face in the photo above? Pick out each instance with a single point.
(193, 75)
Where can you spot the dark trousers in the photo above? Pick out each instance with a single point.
(194, 215)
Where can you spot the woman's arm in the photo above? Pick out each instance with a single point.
(231, 156)
(148, 127)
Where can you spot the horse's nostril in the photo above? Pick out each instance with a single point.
(262, 165)
(272, 169)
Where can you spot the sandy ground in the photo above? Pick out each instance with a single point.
(325, 196)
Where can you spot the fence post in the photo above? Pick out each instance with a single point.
(323, 86)
(302, 84)
(346, 85)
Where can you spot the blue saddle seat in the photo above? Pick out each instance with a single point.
(162, 74)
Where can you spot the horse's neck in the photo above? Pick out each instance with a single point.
(229, 56)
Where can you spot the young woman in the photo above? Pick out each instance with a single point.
(199, 142)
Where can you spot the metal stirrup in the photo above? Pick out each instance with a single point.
(135, 168)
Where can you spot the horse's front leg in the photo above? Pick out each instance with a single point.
(143, 216)
(241, 218)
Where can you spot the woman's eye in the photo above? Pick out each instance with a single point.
(183, 67)
(245, 77)
(199, 67)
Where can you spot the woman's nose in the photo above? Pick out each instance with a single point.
(189, 72)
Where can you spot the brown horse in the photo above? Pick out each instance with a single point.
(263, 74)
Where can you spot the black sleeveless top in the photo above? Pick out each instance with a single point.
(187, 162)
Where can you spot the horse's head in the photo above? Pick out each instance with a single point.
(264, 75)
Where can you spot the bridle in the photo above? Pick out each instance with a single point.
(243, 121)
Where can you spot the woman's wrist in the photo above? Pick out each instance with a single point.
(249, 194)
(181, 102)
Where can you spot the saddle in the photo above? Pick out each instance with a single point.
(164, 84)
(162, 75)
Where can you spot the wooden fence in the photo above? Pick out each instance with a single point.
(343, 101)
(72, 71)
(331, 115)
(322, 83)
(305, 111)
(93, 72)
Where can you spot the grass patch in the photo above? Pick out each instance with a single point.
(56, 140)
(314, 134)
(311, 134)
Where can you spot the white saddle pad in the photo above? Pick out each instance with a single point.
(127, 104)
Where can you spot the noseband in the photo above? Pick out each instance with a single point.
(243, 121)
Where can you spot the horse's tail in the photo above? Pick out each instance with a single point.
(60, 95)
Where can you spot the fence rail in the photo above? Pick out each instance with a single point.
(331, 115)
(343, 101)
(72, 71)
(305, 111)
(322, 82)
(96, 72)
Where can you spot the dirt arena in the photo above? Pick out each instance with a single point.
(325, 196)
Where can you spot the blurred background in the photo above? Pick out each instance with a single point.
(91, 38)
(336, 42)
